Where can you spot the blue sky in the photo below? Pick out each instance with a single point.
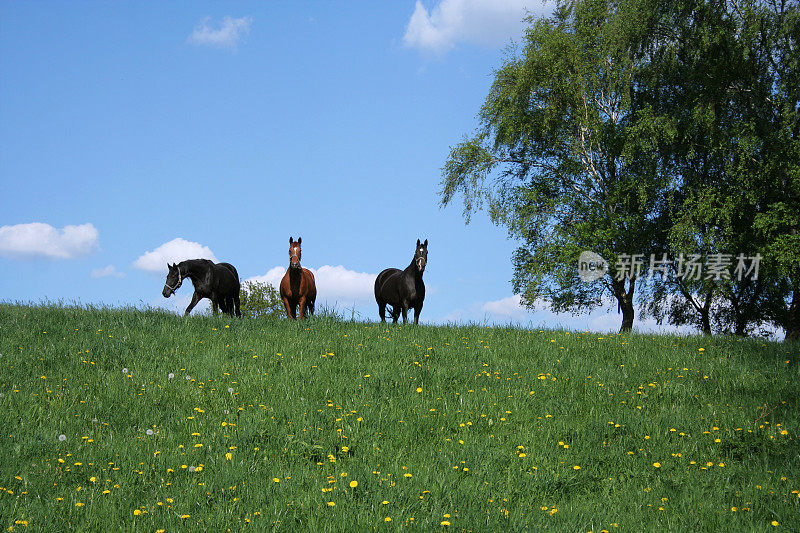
(135, 133)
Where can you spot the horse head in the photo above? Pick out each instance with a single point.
(295, 252)
(173, 282)
(421, 256)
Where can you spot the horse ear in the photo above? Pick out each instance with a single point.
(291, 240)
(417, 242)
(426, 243)
(299, 240)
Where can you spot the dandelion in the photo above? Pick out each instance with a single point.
(192, 469)
(775, 523)
(137, 512)
(124, 370)
(445, 523)
(149, 432)
(419, 389)
(657, 465)
(576, 467)
(184, 516)
(387, 519)
(228, 456)
(230, 390)
(331, 504)
(276, 480)
(353, 484)
(62, 438)
(170, 376)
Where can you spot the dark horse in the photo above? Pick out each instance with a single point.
(403, 289)
(297, 286)
(217, 282)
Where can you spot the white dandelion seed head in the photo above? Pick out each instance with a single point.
(192, 469)
(149, 431)
(170, 375)
(124, 370)
(225, 411)
(188, 377)
(230, 389)
(62, 437)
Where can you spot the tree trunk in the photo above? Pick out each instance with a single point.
(705, 320)
(625, 302)
(793, 320)
(627, 317)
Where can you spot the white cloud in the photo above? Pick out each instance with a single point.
(507, 308)
(483, 22)
(106, 272)
(333, 283)
(228, 35)
(43, 240)
(174, 251)
(272, 277)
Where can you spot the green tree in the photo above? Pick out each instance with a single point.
(727, 77)
(566, 159)
(260, 300)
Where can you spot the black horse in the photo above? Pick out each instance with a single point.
(217, 282)
(403, 289)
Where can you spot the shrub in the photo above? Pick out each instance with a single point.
(259, 300)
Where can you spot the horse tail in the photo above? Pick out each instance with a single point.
(391, 312)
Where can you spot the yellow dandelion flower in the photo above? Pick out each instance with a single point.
(229, 456)
(353, 484)
(331, 504)
(576, 467)
(387, 519)
(137, 512)
(276, 480)
(657, 465)
(445, 523)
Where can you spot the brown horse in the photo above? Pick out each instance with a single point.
(297, 285)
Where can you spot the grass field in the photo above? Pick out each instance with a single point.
(121, 419)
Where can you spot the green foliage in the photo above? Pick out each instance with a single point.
(642, 127)
(564, 158)
(260, 300)
(502, 418)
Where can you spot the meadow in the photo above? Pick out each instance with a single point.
(124, 419)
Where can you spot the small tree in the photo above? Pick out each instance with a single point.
(260, 300)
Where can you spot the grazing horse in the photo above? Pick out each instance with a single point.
(217, 282)
(297, 286)
(403, 289)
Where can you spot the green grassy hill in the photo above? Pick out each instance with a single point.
(120, 419)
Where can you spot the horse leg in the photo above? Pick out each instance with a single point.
(195, 298)
(302, 305)
(405, 313)
(417, 311)
(289, 311)
(395, 315)
(382, 311)
(236, 305)
(310, 307)
(214, 307)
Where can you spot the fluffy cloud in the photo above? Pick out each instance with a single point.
(227, 35)
(333, 283)
(107, 272)
(43, 240)
(174, 251)
(507, 308)
(483, 22)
